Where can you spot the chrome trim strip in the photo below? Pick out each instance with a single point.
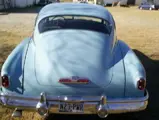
(91, 103)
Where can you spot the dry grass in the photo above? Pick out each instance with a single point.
(139, 29)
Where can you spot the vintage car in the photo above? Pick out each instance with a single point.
(147, 6)
(73, 64)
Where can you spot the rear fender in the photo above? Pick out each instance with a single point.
(13, 67)
(134, 70)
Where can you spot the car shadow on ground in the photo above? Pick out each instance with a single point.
(151, 113)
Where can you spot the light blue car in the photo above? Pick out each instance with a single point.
(73, 64)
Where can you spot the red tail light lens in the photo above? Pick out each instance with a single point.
(64, 80)
(141, 84)
(5, 81)
(83, 81)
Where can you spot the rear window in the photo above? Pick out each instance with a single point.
(74, 22)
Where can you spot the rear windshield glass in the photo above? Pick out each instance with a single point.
(74, 22)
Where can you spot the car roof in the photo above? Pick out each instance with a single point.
(74, 9)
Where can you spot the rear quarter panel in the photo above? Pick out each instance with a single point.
(134, 70)
(13, 67)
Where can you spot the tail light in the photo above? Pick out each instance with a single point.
(141, 84)
(5, 81)
(83, 81)
(64, 80)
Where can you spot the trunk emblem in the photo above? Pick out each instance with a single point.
(74, 80)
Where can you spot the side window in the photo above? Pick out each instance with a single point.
(108, 25)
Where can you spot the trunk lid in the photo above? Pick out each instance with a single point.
(79, 53)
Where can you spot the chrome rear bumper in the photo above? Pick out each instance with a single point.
(45, 104)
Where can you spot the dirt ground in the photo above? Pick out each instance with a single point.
(138, 28)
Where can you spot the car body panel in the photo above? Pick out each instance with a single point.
(32, 86)
(13, 66)
(134, 70)
(66, 53)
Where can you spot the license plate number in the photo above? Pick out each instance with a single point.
(71, 107)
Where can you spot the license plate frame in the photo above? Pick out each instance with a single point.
(71, 107)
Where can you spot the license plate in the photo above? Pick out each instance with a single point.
(71, 107)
